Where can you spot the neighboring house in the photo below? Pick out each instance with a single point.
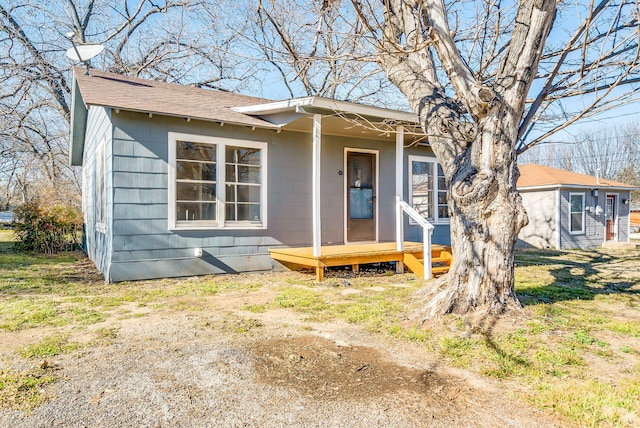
(570, 210)
(181, 181)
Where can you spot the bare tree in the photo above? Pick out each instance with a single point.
(318, 49)
(602, 153)
(172, 40)
(479, 91)
(611, 152)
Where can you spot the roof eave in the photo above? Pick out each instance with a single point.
(190, 117)
(329, 105)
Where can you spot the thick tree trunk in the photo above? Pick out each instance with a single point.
(473, 135)
(486, 217)
(483, 233)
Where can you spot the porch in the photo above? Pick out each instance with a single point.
(355, 255)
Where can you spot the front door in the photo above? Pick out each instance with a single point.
(361, 189)
(610, 218)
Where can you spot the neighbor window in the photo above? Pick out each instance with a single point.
(576, 203)
(216, 182)
(428, 189)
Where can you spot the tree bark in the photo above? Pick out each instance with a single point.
(474, 139)
(486, 215)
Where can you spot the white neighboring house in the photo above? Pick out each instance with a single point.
(568, 210)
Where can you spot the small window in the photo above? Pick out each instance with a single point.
(428, 189)
(576, 202)
(216, 182)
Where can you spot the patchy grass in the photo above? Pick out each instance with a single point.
(24, 390)
(378, 309)
(577, 304)
(573, 351)
(105, 336)
(49, 347)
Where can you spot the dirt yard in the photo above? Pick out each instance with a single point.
(215, 364)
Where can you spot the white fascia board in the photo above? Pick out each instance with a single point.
(328, 104)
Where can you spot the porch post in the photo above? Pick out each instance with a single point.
(316, 195)
(399, 186)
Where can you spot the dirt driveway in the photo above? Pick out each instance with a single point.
(222, 366)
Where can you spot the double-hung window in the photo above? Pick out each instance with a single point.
(216, 182)
(576, 214)
(428, 189)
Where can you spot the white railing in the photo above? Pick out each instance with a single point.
(427, 230)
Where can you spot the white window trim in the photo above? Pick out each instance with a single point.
(434, 202)
(100, 177)
(584, 228)
(220, 143)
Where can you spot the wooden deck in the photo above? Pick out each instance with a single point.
(349, 255)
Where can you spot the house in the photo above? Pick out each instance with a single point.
(181, 181)
(568, 210)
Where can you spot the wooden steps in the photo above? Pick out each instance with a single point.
(440, 261)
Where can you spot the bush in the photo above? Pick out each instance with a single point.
(47, 230)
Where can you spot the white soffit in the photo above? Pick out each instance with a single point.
(344, 107)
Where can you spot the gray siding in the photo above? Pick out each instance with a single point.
(98, 243)
(144, 247)
(593, 235)
(624, 216)
(542, 230)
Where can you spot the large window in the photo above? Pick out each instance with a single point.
(216, 182)
(427, 189)
(576, 203)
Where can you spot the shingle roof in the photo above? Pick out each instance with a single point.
(533, 175)
(133, 94)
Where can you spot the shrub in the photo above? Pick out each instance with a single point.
(48, 230)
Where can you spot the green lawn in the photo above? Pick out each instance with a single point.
(573, 351)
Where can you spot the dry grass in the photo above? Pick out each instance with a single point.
(573, 351)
